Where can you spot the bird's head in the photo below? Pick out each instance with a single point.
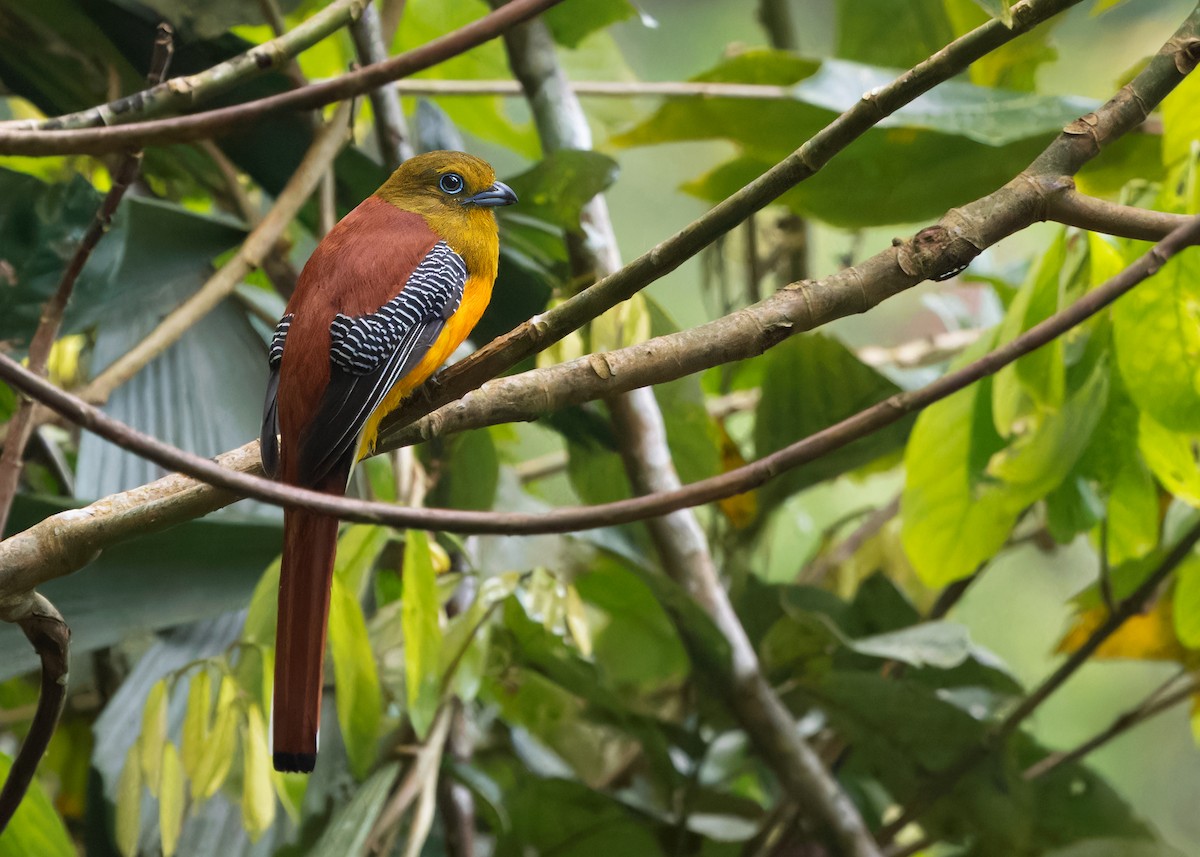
(451, 190)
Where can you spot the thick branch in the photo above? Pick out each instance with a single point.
(183, 129)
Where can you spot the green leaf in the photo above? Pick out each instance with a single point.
(1164, 380)
(197, 722)
(153, 737)
(359, 700)
(1132, 514)
(834, 384)
(556, 188)
(1181, 125)
(422, 632)
(471, 472)
(1171, 456)
(170, 800)
(1187, 602)
(351, 824)
(936, 644)
(570, 25)
(897, 33)
(129, 804)
(36, 829)
(359, 547)
(1001, 9)
(258, 794)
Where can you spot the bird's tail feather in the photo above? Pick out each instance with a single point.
(309, 545)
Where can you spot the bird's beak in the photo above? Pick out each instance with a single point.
(496, 195)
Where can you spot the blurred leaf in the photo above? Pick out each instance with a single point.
(215, 763)
(1013, 65)
(483, 116)
(470, 472)
(937, 644)
(197, 722)
(898, 33)
(170, 800)
(153, 737)
(1181, 124)
(1164, 380)
(359, 701)
(833, 384)
(358, 549)
(1171, 457)
(577, 622)
(1186, 603)
(1001, 9)
(422, 632)
(129, 804)
(570, 26)
(1132, 514)
(1148, 636)
(557, 187)
(35, 827)
(350, 826)
(258, 795)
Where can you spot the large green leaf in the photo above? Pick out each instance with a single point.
(809, 383)
(898, 33)
(557, 187)
(973, 138)
(422, 633)
(571, 24)
(350, 826)
(359, 700)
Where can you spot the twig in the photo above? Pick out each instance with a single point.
(45, 629)
(185, 129)
(551, 326)
(258, 244)
(945, 780)
(1098, 215)
(1154, 705)
(822, 566)
(182, 93)
(390, 126)
(22, 424)
(423, 766)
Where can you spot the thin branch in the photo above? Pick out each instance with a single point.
(826, 563)
(258, 245)
(943, 782)
(1154, 705)
(185, 129)
(1098, 215)
(45, 629)
(183, 93)
(549, 327)
(390, 126)
(428, 755)
(21, 426)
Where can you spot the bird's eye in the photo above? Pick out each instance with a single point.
(451, 183)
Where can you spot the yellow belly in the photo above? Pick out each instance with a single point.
(476, 294)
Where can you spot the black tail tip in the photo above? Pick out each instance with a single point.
(296, 763)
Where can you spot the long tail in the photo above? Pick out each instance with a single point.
(309, 544)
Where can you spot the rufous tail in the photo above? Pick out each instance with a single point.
(309, 544)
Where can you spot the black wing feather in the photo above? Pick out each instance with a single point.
(369, 354)
(268, 439)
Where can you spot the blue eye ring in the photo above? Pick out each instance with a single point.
(451, 183)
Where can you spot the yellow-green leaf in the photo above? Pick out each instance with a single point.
(422, 632)
(170, 800)
(258, 794)
(264, 604)
(1171, 457)
(215, 763)
(358, 549)
(154, 735)
(36, 828)
(197, 723)
(577, 622)
(1181, 121)
(129, 803)
(1187, 602)
(359, 701)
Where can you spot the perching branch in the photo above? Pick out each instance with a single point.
(21, 427)
(184, 129)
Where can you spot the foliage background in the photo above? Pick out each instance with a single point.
(599, 668)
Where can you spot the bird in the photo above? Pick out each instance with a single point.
(385, 298)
